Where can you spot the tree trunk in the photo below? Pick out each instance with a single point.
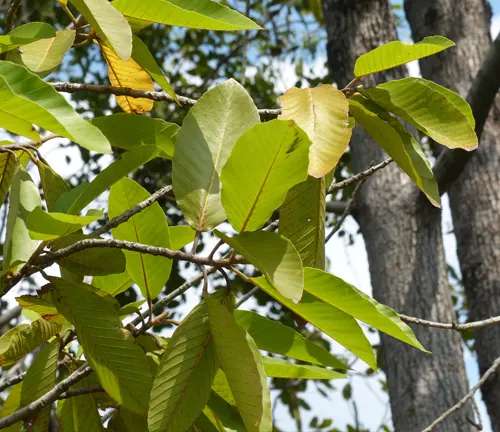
(475, 195)
(402, 232)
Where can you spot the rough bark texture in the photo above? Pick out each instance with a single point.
(475, 195)
(402, 232)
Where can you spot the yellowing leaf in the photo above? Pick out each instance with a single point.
(128, 74)
(322, 113)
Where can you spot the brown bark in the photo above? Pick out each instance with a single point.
(475, 195)
(402, 232)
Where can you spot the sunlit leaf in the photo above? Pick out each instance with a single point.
(397, 142)
(21, 340)
(397, 53)
(180, 236)
(322, 113)
(337, 324)
(447, 120)
(279, 368)
(208, 14)
(42, 306)
(128, 74)
(11, 405)
(148, 227)
(113, 284)
(242, 364)
(119, 363)
(181, 387)
(272, 336)
(47, 226)
(53, 185)
(109, 24)
(267, 160)
(128, 131)
(26, 34)
(274, 256)
(203, 146)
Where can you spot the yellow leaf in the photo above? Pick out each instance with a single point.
(322, 113)
(128, 75)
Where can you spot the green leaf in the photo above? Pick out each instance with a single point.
(337, 324)
(24, 198)
(275, 256)
(181, 387)
(148, 227)
(131, 308)
(126, 421)
(119, 363)
(26, 34)
(225, 413)
(53, 185)
(74, 201)
(397, 53)
(21, 340)
(113, 284)
(265, 163)
(208, 14)
(204, 424)
(279, 368)
(79, 413)
(8, 165)
(109, 24)
(42, 306)
(45, 55)
(93, 261)
(48, 226)
(322, 113)
(436, 111)
(39, 379)
(128, 131)
(275, 337)
(242, 364)
(302, 220)
(26, 98)
(221, 387)
(145, 59)
(350, 300)
(203, 146)
(180, 236)
(11, 405)
(398, 143)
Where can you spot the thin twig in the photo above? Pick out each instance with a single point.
(246, 296)
(347, 211)
(357, 177)
(47, 399)
(11, 15)
(12, 381)
(81, 391)
(451, 326)
(463, 401)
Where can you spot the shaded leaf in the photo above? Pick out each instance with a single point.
(109, 24)
(148, 227)
(27, 99)
(354, 302)
(74, 201)
(275, 337)
(119, 363)
(113, 284)
(322, 113)
(21, 340)
(242, 364)
(7, 169)
(267, 160)
(446, 120)
(53, 185)
(42, 306)
(225, 413)
(397, 53)
(145, 59)
(279, 368)
(398, 143)
(24, 198)
(128, 131)
(274, 256)
(332, 321)
(11, 405)
(302, 220)
(208, 15)
(48, 226)
(126, 421)
(205, 141)
(128, 74)
(182, 385)
(26, 34)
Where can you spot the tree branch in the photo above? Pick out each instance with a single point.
(470, 395)
(481, 97)
(81, 391)
(451, 326)
(47, 399)
(9, 315)
(12, 381)
(51, 257)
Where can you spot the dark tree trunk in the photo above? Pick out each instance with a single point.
(475, 195)
(402, 232)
